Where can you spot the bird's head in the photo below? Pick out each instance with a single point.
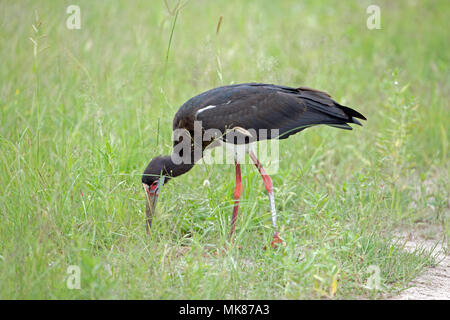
(153, 179)
(157, 173)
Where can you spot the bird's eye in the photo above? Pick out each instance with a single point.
(154, 185)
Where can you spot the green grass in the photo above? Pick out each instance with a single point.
(81, 119)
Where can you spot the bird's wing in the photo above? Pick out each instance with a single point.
(284, 109)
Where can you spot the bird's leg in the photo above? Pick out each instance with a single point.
(237, 195)
(269, 187)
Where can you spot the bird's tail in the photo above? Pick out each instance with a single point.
(329, 112)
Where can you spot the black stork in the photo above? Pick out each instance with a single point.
(242, 108)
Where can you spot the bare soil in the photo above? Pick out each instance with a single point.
(433, 283)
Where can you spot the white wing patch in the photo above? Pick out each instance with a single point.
(203, 109)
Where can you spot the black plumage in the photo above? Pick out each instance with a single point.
(264, 106)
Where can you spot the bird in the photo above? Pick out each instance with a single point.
(239, 114)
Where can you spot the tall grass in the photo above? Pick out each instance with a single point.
(81, 119)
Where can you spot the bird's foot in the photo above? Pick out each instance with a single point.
(277, 240)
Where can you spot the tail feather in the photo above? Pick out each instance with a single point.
(352, 113)
(328, 110)
(317, 108)
(341, 126)
(356, 121)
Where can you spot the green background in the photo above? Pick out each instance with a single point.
(83, 111)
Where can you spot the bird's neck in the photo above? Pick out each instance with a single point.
(173, 169)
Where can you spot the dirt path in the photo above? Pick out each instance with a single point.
(433, 283)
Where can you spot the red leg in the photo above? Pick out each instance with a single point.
(269, 187)
(267, 180)
(237, 195)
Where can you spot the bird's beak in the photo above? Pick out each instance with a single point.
(152, 198)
